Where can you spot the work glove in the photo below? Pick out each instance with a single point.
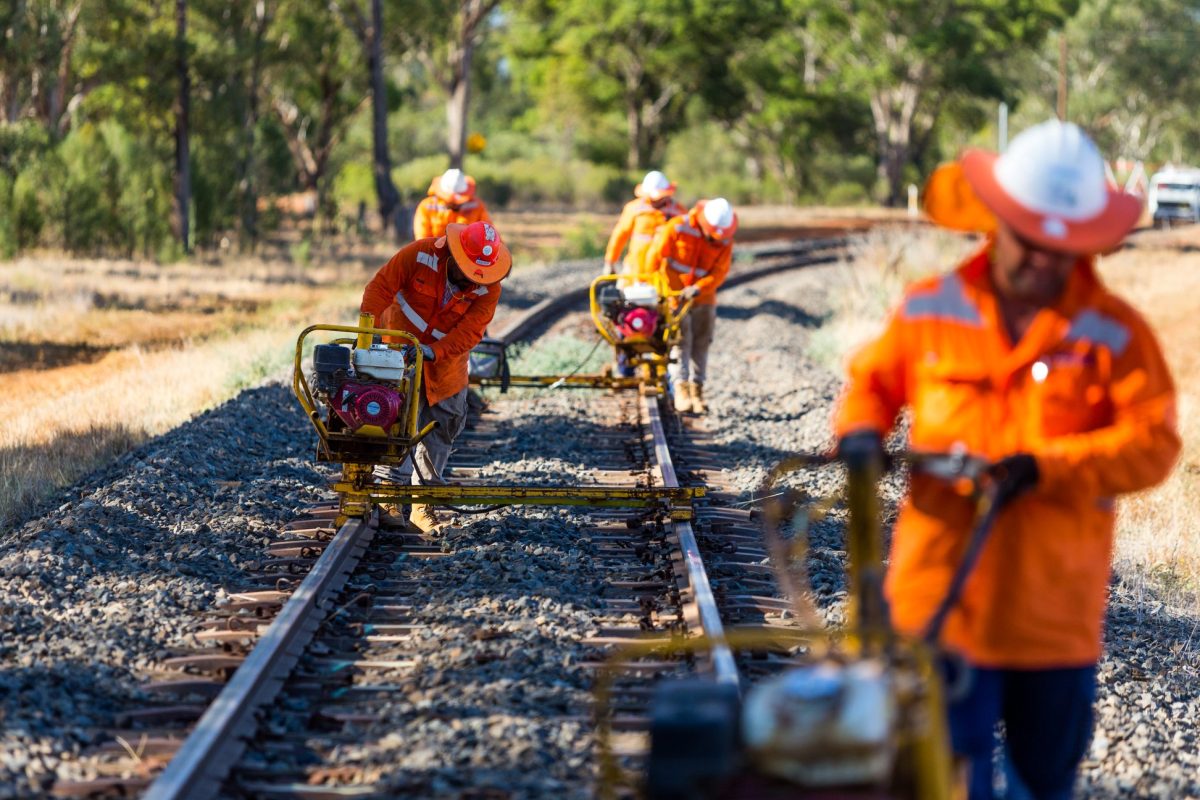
(610, 268)
(689, 292)
(1013, 476)
(860, 448)
(410, 353)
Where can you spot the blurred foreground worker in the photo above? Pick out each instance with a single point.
(691, 255)
(444, 291)
(451, 201)
(1020, 356)
(641, 218)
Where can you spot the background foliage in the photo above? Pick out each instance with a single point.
(765, 101)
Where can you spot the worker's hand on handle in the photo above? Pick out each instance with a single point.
(1013, 476)
(410, 353)
(689, 292)
(610, 268)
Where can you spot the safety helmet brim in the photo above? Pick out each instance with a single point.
(1096, 234)
(453, 198)
(483, 274)
(653, 195)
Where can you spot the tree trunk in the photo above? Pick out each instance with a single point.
(247, 184)
(389, 198)
(457, 106)
(893, 110)
(472, 13)
(183, 163)
(633, 117)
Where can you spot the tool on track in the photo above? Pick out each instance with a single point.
(863, 715)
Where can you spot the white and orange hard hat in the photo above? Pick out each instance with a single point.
(717, 219)
(654, 187)
(1050, 186)
(453, 186)
(479, 252)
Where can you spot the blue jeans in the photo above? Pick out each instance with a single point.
(1047, 716)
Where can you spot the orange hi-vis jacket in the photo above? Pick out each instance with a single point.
(638, 223)
(433, 215)
(683, 256)
(411, 293)
(1085, 391)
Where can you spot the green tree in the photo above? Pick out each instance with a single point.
(647, 59)
(909, 58)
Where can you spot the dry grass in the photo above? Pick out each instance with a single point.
(868, 282)
(1158, 542)
(87, 380)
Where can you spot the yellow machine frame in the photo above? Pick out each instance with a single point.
(650, 358)
(925, 762)
(361, 490)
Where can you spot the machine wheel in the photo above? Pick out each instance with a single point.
(693, 739)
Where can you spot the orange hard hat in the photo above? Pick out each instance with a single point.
(479, 252)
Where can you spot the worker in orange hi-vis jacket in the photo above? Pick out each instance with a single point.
(653, 204)
(691, 256)
(451, 201)
(443, 290)
(1020, 356)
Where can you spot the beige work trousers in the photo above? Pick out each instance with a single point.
(434, 450)
(690, 357)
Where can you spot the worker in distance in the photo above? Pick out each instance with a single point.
(653, 205)
(1023, 357)
(451, 201)
(443, 290)
(691, 255)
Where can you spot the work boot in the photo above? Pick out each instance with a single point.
(683, 397)
(697, 394)
(423, 519)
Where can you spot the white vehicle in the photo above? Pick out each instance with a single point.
(1175, 195)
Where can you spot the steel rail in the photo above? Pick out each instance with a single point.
(219, 738)
(724, 668)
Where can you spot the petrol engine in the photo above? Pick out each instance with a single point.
(360, 386)
(633, 311)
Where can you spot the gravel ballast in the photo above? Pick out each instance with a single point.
(101, 589)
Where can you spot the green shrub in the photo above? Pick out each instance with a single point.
(846, 193)
(9, 242)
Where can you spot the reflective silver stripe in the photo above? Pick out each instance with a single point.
(678, 267)
(1092, 326)
(480, 290)
(437, 334)
(428, 259)
(683, 227)
(469, 205)
(947, 302)
(411, 313)
(643, 236)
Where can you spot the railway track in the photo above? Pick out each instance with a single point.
(326, 640)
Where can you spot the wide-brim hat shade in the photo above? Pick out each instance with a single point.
(491, 264)
(654, 195)
(453, 198)
(1096, 233)
(1050, 186)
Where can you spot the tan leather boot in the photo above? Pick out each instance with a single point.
(423, 519)
(683, 397)
(697, 393)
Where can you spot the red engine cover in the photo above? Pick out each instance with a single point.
(361, 404)
(637, 323)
